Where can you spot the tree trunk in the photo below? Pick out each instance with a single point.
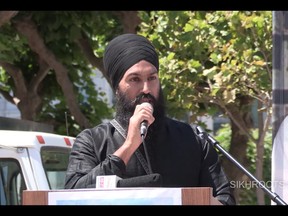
(239, 143)
(27, 28)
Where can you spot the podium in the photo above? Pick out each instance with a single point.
(121, 196)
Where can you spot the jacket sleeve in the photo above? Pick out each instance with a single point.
(89, 158)
(221, 186)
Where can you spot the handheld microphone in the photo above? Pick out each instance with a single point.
(144, 124)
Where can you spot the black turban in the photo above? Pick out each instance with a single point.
(123, 52)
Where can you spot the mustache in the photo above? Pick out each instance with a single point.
(142, 96)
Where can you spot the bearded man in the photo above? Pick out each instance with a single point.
(169, 148)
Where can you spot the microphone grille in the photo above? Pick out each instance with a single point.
(149, 105)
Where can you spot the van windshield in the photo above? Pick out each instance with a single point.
(55, 161)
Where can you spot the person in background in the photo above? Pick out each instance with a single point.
(170, 148)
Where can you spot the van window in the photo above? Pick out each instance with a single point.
(55, 161)
(11, 182)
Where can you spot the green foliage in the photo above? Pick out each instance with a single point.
(12, 45)
(204, 56)
(60, 31)
(210, 56)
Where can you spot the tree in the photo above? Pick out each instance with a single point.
(40, 48)
(218, 61)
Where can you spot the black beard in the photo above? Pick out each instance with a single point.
(125, 109)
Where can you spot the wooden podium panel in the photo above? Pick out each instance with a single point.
(188, 196)
(198, 196)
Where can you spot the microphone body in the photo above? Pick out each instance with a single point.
(144, 124)
(143, 128)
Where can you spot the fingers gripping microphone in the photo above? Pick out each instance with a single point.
(144, 124)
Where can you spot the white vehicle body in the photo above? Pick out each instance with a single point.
(31, 161)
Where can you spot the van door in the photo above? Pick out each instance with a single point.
(15, 175)
(11, 182)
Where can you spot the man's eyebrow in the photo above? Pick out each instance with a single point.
(139, 73)
(133, 74)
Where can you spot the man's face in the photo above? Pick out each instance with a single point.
(140, 79)
(139, 84)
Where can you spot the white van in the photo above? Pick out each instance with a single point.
(31, 161)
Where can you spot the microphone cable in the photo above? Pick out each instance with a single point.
(146, 155)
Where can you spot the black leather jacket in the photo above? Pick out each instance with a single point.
(179, 156)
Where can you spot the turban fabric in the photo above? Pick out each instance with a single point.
(123, 52)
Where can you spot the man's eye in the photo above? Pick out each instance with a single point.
(153, 78)
(135, 79)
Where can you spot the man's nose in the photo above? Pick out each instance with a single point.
(146, 87)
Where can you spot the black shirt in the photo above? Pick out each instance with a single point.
(178, 155)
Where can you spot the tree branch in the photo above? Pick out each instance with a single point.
(5, 16)
(88, 52)
(7, 96)
(17, 76)
(29, 30)
(41, 74)
(129, 20)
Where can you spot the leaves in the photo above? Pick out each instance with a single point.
(225, 45)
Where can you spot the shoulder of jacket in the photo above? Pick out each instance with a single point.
(101, 126)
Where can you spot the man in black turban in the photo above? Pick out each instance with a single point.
(171, 149)
(123, 52)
